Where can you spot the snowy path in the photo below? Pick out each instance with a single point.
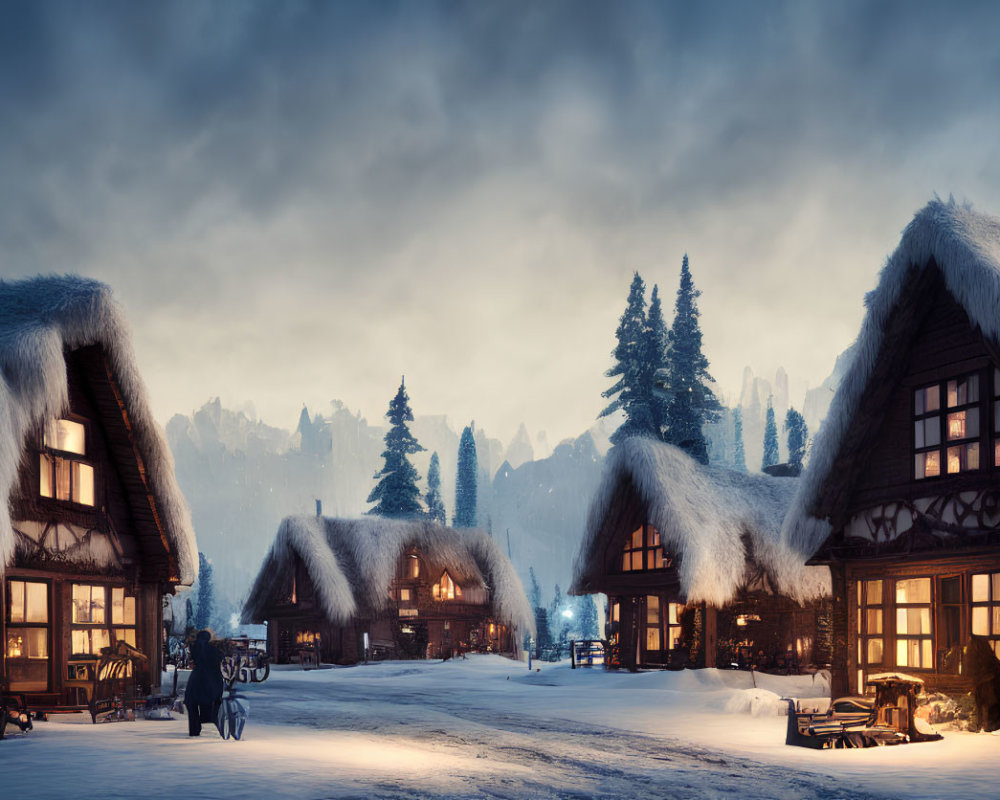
(486, 728)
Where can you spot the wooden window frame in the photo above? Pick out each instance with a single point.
(51, 457)
(110, 629)
(11, 625)
(991, 606)
(649, 549)
(871, 606)
(929, 636)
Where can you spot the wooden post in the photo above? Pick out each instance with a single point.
(710, 635)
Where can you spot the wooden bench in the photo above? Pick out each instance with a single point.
(114, 688)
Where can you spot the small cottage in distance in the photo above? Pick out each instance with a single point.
(93, 527)
(691, 561)
(378, 587)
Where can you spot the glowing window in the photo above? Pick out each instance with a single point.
(61, 476)
(914, 630)
(643, 551)
(446, 588)
(959, 428)
(986, 608)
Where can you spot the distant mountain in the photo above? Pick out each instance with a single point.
(241, 477)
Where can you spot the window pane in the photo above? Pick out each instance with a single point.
(45, 475)
(996, 585)
(954, 395)
(913, 621)
(27, 643)
(957, 426)
(117, 605)
(672, 612)
(64, 434)
(963, 457)
(652, 609)
(915, 590)
(100, 638)
(674, 637)
(636, 540)
(653, 639)
(932, 398)
(902, 654)
(996, 415)
(17, 601)
(980, 620)
(925, 653)
(62, 479)
(996, 453)
(928, 465)
(932, 431)
(980, 588)
(918, 402)
(126, 635)
(972, 383)
(83, 483)
(996, 621)
(874, 621)
(873, 593)
(36, 602)
(874, 651)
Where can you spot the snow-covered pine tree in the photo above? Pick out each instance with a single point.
(396, 493)
(630, 393)
(466, 481)
(586, 614)
(206, 593)
(798, 433)
(655, 359)
(435, 504)
(739, 454)
(535, 591)
(692, 401)
(770, 438)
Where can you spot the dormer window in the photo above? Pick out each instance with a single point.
(64, 473)
(946, 440)
(643, 551)
(446, 588)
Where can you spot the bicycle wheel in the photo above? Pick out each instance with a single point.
(259, 674)
(222, 721)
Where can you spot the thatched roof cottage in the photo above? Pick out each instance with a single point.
(901, 496)
(94, 529)
(691, 559)
(377, 587)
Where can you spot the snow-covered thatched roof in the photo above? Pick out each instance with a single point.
(352, 563)
(964, 246)
(40, 320)
(707, 516)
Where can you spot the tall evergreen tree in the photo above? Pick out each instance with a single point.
(770, 438)
(206, 593)
(535, 591)
(631, 393)
(656, 362)
(586, 614)
(466, 481)
(798, 433)
(692, 402)
(435, 504)
(739, 454)
(396, 493)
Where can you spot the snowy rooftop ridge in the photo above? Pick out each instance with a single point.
(352, 563)
(703, 514)
(965, 246)
(40, 319)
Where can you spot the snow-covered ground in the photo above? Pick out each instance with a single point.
(487, 727)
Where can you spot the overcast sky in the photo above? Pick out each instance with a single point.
(301, 202)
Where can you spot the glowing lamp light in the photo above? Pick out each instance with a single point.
(568, 613)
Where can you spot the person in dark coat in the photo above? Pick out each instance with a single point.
(203, 694)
